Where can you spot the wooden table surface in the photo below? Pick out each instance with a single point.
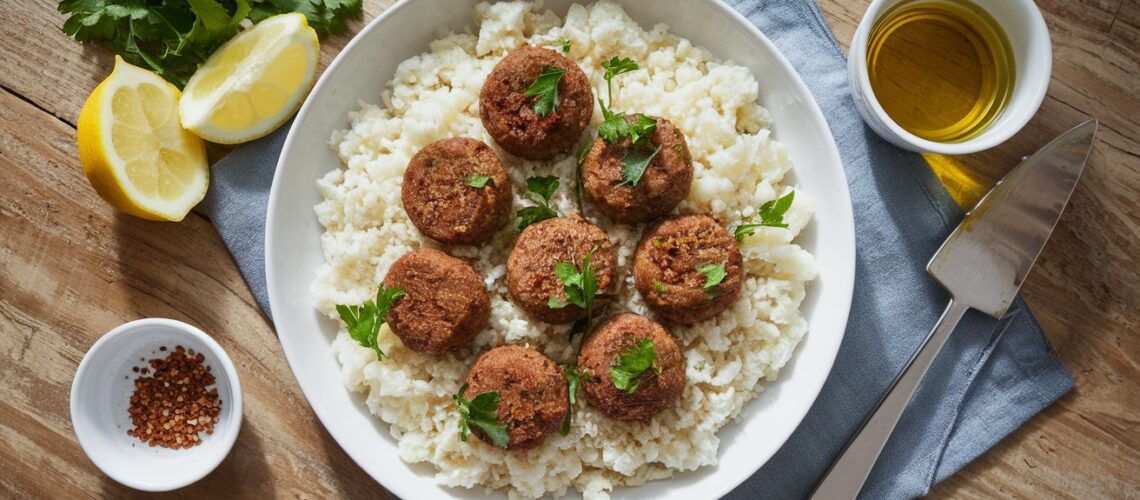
(71, 268)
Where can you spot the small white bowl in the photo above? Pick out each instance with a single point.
(1033, 62)
(100, 397)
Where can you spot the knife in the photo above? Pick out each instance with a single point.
(982, 264)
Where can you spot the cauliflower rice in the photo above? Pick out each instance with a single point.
(737, 165)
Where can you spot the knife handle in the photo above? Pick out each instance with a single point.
(846, 477)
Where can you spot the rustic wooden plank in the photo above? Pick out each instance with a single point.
(72, 268)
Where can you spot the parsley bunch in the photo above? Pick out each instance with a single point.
(482, 411)
(363, 321)
(173, 37)
(539, 190)
(580, 285)
(771, 215)
(614, 126)
(630, 365)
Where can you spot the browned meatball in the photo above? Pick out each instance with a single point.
(665, 268)
(440, 202)
(665, 183)
(446, 303)
(530, 267)
(509, 116)
(532, 393)
(655, 391)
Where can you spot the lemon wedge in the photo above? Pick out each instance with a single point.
(135, 152)
(254, 83)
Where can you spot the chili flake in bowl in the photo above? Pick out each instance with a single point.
(171, 407)
(156, 404)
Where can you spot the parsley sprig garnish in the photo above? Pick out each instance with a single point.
(714, 275)
(630, 365)
(614, 126)
(363, 321)
(614, 67)
(562, 44)
(546, 88)
(482, 411)
(478, 181)
(173, 37)
(539, 190)
(574, 378)
(771, 215)
(580, 285)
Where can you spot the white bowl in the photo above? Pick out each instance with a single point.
(293, 250)
(100, 397)
(1033, 61)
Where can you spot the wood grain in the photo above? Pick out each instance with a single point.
(71, 268)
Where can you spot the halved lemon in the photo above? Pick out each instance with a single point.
(253, 83)
(135, 152)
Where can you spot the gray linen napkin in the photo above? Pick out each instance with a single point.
(991, 377)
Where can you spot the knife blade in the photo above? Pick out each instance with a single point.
(982, 264)
(985, 260)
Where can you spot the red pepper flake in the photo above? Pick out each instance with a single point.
(173, 406)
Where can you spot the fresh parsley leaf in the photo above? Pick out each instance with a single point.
(613, 125)
(325, 16)
(363, 321)
(539, 190)
(478, 181)
(213, 16)
(580, 285)
(618, 65)
(614, 67)
(570, 276)
(173, 37)
(581, 156)
(714, 275)
(574, 379)
(771, 215)
(544, 187)
(546, 88)
(634, 163)
(641, 129)
(563, 45)
(629, 366)
(534, 215)
(482, 411)
(660, 287)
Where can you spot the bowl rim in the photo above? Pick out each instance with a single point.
(89, 363)
(405, 490)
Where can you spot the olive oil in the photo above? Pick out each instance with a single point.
(942, 69)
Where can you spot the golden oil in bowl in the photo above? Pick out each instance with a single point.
(941, 69)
